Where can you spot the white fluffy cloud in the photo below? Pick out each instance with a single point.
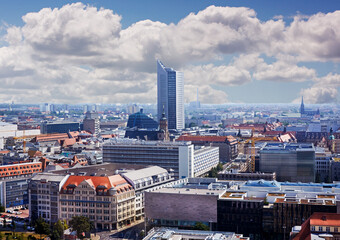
(78, 53)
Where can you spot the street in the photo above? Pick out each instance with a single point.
(129, 233)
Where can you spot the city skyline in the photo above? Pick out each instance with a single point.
(232, 51)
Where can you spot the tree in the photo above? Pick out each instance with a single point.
(80, 224)
(5, 223)
(58, 230)
(42, 227)
(201, 226)
(1, 236)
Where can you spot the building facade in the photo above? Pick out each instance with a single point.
(178, 158)
(170, 96)
(91, 123)
(109, 202)
(291, 162)
(144, 179)
(44, 196)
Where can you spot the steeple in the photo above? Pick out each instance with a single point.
(302, 107)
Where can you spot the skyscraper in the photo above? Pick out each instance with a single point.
(170, 94)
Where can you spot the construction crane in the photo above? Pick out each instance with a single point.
(251, 162)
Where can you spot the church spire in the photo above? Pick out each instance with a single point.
(302, 107)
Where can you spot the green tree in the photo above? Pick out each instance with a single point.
(219, 167)
(80, 224)
(58, 230)
(1, 236)
(42, 227)
(201, 226)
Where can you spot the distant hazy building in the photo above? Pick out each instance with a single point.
(170, 95)
(60, 127)
(291, 161)
(91, 123)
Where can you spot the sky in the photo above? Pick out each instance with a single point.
(232, 51)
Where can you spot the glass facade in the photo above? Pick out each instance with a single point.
(170, 94)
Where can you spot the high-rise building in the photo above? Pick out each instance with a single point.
(170, 95)
(91, 123)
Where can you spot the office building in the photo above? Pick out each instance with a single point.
(176, 157)
(91, 123)
(109, 202)
(170, 96)
(290, 161)
(44, 196)
(60, 127)
(227, 144)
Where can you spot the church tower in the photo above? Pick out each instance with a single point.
(163, 133)
(302, 107)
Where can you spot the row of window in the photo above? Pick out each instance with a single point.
(320, 229)
(17, 168)
(18, 172)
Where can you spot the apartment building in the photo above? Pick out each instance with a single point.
(109, 202)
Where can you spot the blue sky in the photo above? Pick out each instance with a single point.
(260, 53)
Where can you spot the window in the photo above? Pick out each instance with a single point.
(320, 229)
(328, 229)
(336, 229)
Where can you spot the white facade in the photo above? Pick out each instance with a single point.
(170, 95)
(205, 159)
(186, 161)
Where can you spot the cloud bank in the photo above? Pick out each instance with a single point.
(79, 53)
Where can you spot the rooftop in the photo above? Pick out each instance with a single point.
(325, 219)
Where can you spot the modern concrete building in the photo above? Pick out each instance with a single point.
(144, 179)
(290, 161)
(44, 196)
(182, 207)
(91, 123)
(60, 127)
(109, 202)
(170, 95)
(227, 144)
(178, 158)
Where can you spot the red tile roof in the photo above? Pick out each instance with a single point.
(115, 181)
(325, 219)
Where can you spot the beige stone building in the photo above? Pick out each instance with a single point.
(109, 202)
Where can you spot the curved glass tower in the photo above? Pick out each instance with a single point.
(170, 96)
